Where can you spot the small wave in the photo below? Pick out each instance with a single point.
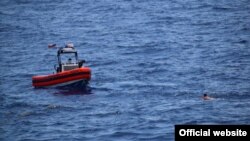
(242, 41)
(52, 106)
(26, 113)
(18, 105)
(220, 8)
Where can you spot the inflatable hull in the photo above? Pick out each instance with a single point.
(77, 77)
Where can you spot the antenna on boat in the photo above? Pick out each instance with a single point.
(51, 45)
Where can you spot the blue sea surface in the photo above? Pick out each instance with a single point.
(151, 62)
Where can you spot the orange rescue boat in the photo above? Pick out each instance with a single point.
(70, 73)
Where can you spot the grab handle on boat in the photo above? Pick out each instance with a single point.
(80, 63)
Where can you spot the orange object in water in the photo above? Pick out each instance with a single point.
(75, 76)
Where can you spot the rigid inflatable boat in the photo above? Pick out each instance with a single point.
(69, 72)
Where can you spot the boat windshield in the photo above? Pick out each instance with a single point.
(68, 58)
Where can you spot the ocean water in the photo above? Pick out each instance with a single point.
(151, 62)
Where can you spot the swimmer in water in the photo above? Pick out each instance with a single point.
(206, 97)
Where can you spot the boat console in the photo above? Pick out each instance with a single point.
(71, 63)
